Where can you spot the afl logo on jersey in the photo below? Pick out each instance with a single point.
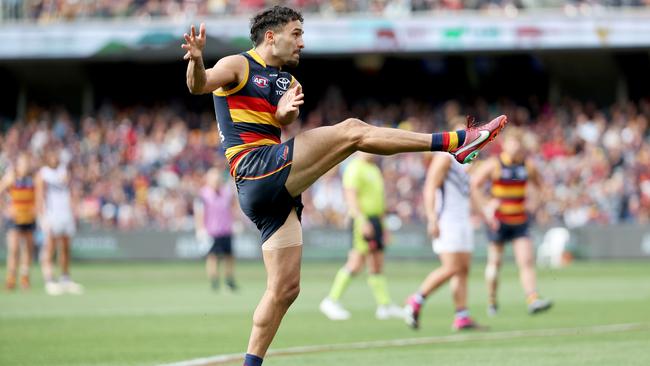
(283, 83)
(261, 81)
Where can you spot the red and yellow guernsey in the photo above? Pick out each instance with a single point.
(23, 201)
(509, 187)
(246, 111)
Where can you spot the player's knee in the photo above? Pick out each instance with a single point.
(355, 130)
(526, 262)
(459, 269)
(292, 293)
(452, 269)
(491, 271)
(463, 270)
(354, 271)
(286, 294)
(494, 261)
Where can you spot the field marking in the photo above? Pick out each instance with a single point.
(467, 337)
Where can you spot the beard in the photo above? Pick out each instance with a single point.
(292, 63)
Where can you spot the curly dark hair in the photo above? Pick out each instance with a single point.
(274, 19)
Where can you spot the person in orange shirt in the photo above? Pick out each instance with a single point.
(19, 183)
(509, 174)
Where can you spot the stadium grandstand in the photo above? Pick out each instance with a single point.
(53, 11)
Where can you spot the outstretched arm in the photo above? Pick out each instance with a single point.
(354, 209)
(480, 201)
(200, 80)
(435, 177)
(539, 190)
(39, 191)
(199, 223)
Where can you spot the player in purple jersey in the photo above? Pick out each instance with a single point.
(213, 221)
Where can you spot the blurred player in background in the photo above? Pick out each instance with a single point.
(509, 175)
(19, 182)
(254, 97)
(53, 202)
(364, 192)
(213, 221)
(447, 205)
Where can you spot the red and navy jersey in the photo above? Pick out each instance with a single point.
(246, 111)
(509, 187)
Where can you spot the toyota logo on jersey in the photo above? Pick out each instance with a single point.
(283, 83)
(261, 81)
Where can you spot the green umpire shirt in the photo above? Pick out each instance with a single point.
(366, 179)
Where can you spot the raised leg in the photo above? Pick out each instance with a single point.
(318, 150)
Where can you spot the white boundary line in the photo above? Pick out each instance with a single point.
(578, 331)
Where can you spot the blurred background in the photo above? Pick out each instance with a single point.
(105, 79)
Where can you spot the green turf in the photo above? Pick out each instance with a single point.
(144, 314)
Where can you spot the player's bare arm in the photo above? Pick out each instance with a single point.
(289, 105)
(199, 80)
(435, 177)
(354, 210)
(39, 192)
(535, 199)
(199, 223)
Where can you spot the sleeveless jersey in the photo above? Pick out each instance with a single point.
(246, 111)
(509, 187)
(452, 198)
(57, 193)
(23, 201)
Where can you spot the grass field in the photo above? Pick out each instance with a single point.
(148, 314)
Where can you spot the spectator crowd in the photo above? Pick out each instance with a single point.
(142, 167)
(68, 10)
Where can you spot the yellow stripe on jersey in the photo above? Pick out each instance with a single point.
(23, 205)
(511, 208)
(248, 116)
(453, 141)
(232, 151)
(256, 56)
(499, 191)
(224, 93)
(22, 194)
